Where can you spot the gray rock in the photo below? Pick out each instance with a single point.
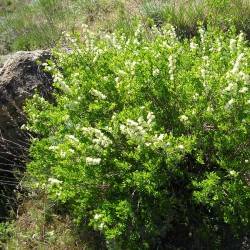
(20, 76)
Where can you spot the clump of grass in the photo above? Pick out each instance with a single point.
(185, 14)
(39, 227)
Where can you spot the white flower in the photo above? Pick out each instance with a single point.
(240, 38)
(183, 118)
(101, 226)
(97, 94)
(103, 141)
(232, 44)
(24, 126)
(245, 77)
(243, 90)
(150, 117)
(193, 45)
(93, 161)
(97, 136)
(219, 45)
(132, 123)
(236, 66)
(140, 120)
(160, 137)
(195, 96)
(53, 148)
(97, 216)
(54, 181)
(171, 64)
(64, 86)
(133, 129)
(210, 109)
(202, 34)
(156, 72)
(181, 146)
(230, 87)
(171, 33)
(230, 103)
(233, 173)
(117, 80)
(62, 154)
(122, 128)
(136, 42)
(72, 138)
(203, 73)
(121, 72)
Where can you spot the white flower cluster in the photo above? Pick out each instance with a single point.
(205, 71)
(230, 103)
(157, 141)
(97, 218)
(47, 66)
(138, 30)
(137, 130)
(193, 45)
(53, 148)
(234, 78)
(237, 63)
(202, 35)
(133, 129)
(69, 38)
(112, 40)
(219, 45)
(53, 181)
(170, 32)
(183, 118)
(98, 138)
(172, 66)
(62, 152)
(131, 66)
(231, 87)
(150, 117)
(240, 40)
(232, 45)
(244, 77)
(97, 94)
(97, 53)
(181, 147)
(72, 138)
(58, 79)
(243, 90)
(93, 161)
(233, 173)
(156, 72)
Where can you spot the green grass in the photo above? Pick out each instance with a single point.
(27, 26)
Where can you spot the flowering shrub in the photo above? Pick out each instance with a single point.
(149, 136)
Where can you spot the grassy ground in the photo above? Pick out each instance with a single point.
(38, 227)
(29, 25)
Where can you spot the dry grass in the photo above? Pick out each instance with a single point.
(40, 25)
(38, 227)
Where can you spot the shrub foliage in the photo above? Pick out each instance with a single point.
(148, 140)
